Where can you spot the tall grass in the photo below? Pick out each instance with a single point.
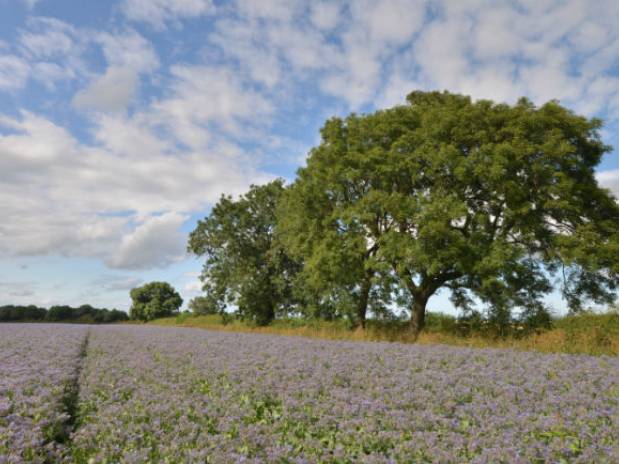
(595, 334)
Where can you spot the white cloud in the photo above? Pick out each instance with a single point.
(441, 53)
(325, 15)
(121, 136)
(265, 41)
(49, 74)
(500, 51)
(157, 242)
(110, 92)
(128, 49)
(371, 39)
(115, 283)
(158, 12)
(386, 21)
(610, 180)
(266, 38)
(14, 72)
(17, 290)
(60, 196)
(279, 10)
(253, 55)
(204, 96)
(49, 37)
(503, 51)
(494, 36)
(193, 287)
(54, 50)
(150, 160)
(129, 56)
(396, 89)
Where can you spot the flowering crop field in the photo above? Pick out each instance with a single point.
(151, 394)
(38, 366)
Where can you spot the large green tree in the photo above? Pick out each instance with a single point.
(153, 300)
(245, 267)
(331, 217)
(490, 201)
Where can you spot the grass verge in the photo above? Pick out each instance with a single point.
(591, 334)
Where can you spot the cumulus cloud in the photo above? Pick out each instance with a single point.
(131, 186)
(158, 12)
(366, 52)
(267, 37)
(133, 167)
(503, 51)
(129, 56)
(202, 96)
(60, 196)
(325, 15)
(157, 242)
(109, 92)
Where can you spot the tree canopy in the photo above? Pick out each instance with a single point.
(490, 201)
(245, 266)
(61, 313)
(496, 203)
(153, 300)
(202, 305)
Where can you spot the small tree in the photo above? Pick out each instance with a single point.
(153, 300)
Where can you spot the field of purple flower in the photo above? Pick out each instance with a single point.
(38, 365)
(150, 394)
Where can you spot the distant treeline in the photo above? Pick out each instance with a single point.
(84, 313)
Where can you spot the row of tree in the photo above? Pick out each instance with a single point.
(497, 204)
(61, 313)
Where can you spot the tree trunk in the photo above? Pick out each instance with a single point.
(364, 296)
(418, 315)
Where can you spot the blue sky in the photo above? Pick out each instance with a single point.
(122, 122)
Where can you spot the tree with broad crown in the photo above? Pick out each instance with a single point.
(494, 202)
(153, 300)
(244, 265)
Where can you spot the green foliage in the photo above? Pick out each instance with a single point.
(59, 313)
(487, 200)
(203, 305)
(440, 322)
(12, 313)
(589, 321)
(502, 322)
(153, 300)
(83, 314)
(182, 317)
(245, 265)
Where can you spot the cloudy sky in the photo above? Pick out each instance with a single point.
(121, 122)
